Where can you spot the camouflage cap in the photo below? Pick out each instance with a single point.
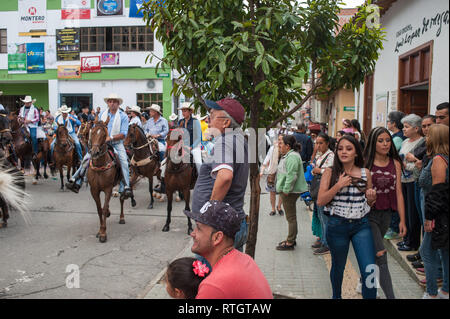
(220, 216)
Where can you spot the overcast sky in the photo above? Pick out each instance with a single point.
(352, 3)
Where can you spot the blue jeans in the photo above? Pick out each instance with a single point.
(34, 142)
(395, 222)
(435, 263)
(323, 222)
(77, 146)
(340, 232)
(123, 158)
(417, 200)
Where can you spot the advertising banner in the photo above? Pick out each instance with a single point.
(75, 9)
(32, 15)
(109, 7)
(36, 57)
(69, 72)
(90, 64)
(17, 58)
(135, 5)
(110, 58)
(68, 44)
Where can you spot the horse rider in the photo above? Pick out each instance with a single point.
(173, 121)
(29, 115)
(192, 125)
(157, 127)
(118, 130)
(70, 121)
(135, 116)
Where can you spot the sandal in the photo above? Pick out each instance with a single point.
(284, 241)
(272, 213)
(284, 245)
(281, 212)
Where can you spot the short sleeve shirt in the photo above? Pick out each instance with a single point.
(230, 152)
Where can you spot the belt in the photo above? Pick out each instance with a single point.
(349, 220)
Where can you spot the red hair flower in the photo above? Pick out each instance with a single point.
(200, 269)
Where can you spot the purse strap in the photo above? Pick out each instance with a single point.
(323, 161)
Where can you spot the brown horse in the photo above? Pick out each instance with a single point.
(145, 158)
(103, 174)
(83, 135)
(42, 155)
(21, 141)
(178, 176)
(64, 153)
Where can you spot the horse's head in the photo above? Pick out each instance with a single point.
(97, 138)
(5, 130)
(62, 135)
(131, 135)
(14, 121)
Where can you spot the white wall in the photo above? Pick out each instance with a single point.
(10, 21)
(402, 14)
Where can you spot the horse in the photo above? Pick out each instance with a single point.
(42, 155)
(83, 135)
(145, 158)
(103, 174)
(64, 153)
(178, 176)
(21, 141)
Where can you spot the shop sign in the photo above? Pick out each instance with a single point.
(36, 57)
(90, 64)
(110, 59)
(68, 44)
(69, 72)
(75, 9)
(163, 75)
(32, 15)
(109, 7)
(349, 108)
(17, 58)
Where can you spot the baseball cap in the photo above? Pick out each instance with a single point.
(220, 216)
(229, 105)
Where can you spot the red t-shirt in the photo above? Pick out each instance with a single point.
(235, 276)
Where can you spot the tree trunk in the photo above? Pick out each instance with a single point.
(254, 210)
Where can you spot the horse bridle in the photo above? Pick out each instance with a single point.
(99, 146)
(68, 140)
(150, 141)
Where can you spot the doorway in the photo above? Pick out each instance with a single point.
(76, 101)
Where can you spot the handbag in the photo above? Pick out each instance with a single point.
(315, 183)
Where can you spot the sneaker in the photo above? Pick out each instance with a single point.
(413, 257)
(391, 235)
(417, 264)
(420, 271)
(322, 251)
(423, 282)
(426, 295)
(441, 295)
(316, 245)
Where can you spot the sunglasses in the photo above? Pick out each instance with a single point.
(359, 183)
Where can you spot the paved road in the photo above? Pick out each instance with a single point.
(60, 231)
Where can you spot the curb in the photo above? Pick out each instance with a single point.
(400, 257)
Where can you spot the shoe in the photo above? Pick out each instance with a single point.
(285, 246)
(406, 248)
(316, 245)
(157, 188)
(322, 251)
(423, 282)
(401, 243)
(413, 257)
(418, 264)
(280, 243)
(73, 187)
(281, 212)
(426, 295)
(126, 193)
(420, 271)
(442, 295)
(391, 235)
(272, 213)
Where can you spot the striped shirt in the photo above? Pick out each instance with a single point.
(349, 202)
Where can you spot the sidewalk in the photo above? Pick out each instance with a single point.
(300, 274)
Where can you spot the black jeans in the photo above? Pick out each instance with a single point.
(412, 216)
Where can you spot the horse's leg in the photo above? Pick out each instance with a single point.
(169, 194)
(44, 157)
(150, 189)
(5, 214)
(36, 164)
(61, 177)
(187, 196)
(134, 177)
(102, 230)
(122, 217)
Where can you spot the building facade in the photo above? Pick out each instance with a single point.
(85, 59)
(411, 74)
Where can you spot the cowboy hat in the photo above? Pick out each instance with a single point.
(1, 92)
(113, 96)
(156, 108)
(64, 109)
(201, 118)
(135, 109)
(187, 105)
(28, 99)
(173, 117)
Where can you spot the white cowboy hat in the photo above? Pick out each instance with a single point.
(173, 117)
(201, 118)
(64, 109)
(187, 105)
(1, 92)
(28, 99)
(113, 96)
(156, 108)
(135, 109)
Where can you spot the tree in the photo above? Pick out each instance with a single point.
(254, 50)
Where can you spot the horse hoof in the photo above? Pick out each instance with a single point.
(102, 238)
(133, 203)
(150, 206)
(166, 228)
(122, 221)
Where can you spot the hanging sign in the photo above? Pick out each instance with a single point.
(68, 44)
(69, 72)
(110, 58)
(32, 15)
(35, 57)
(17, 58)
(90, 64)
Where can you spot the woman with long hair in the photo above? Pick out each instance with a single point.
(346, 191)
(290, 184)
(384, 163)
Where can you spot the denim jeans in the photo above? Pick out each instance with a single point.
(77, 146)
(123, 158)
(395, 222)
(34, 141)
(340, 232)
(323, 222)
(435, 263)
(417, 200)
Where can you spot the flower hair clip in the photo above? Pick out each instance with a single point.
(200, 269)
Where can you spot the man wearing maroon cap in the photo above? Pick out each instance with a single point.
(224, 173)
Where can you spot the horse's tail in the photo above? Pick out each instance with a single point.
(11, 192)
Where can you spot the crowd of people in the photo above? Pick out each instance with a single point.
(389, 184)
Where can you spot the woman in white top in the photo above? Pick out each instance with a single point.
(323, 158)
(135, 116)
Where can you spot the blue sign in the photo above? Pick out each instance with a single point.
(135, 5)
(35, 58)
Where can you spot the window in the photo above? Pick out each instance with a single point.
(145, 100)
(116, 39)
(3, 42)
